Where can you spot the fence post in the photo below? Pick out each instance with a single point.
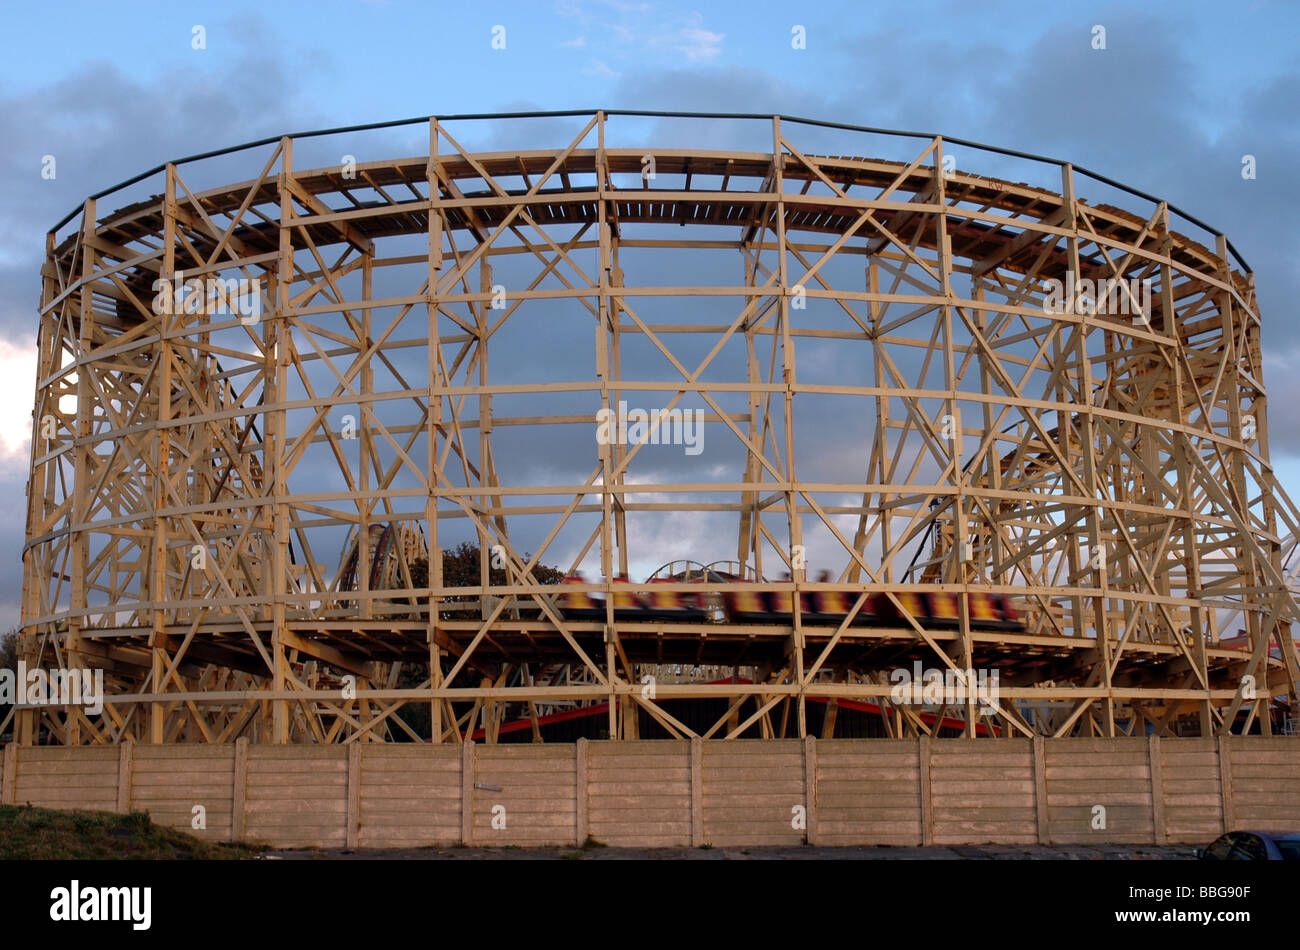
(1157, 789)
(467, 793)
(697, 791)
(1040, 791)
(1225, 782)
(927, 817)
(353, 832)
(810, 788)
(124, 762)
(580, 829)
(239, 791)
(10, 795)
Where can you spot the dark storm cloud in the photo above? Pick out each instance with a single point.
(103, 126)
(1135, 112)
(13, 481)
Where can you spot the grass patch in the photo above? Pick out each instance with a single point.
(28, 833)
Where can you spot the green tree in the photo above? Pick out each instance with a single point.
(8, 661)
(460, 568)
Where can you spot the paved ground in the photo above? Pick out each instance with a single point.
(955, 853)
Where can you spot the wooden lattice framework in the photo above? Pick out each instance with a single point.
(1006, 442)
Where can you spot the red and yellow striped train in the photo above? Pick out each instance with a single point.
(734, 601)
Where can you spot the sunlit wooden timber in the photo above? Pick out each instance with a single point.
(225, 506)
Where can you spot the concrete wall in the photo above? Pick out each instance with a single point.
(649, 794)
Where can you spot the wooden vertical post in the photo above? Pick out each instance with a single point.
(158, 482)
(697, 791)
(239, 791)
(40, 485)
(354, 795)
(959, 571)
(1157, 789)
(9, 788)
(748, 546)
(608, 455)
(927, 816)
(810, 788)
(467, 793)
(581, 831)
(278, 338)
(1225, 781)
(82, 465)
(1088, 460)
(434, 354)
(1040, 791)
(124, 763)
(794, 520)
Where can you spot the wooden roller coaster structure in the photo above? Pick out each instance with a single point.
(239, 511)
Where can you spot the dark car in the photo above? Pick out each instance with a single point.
(1253, 846)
